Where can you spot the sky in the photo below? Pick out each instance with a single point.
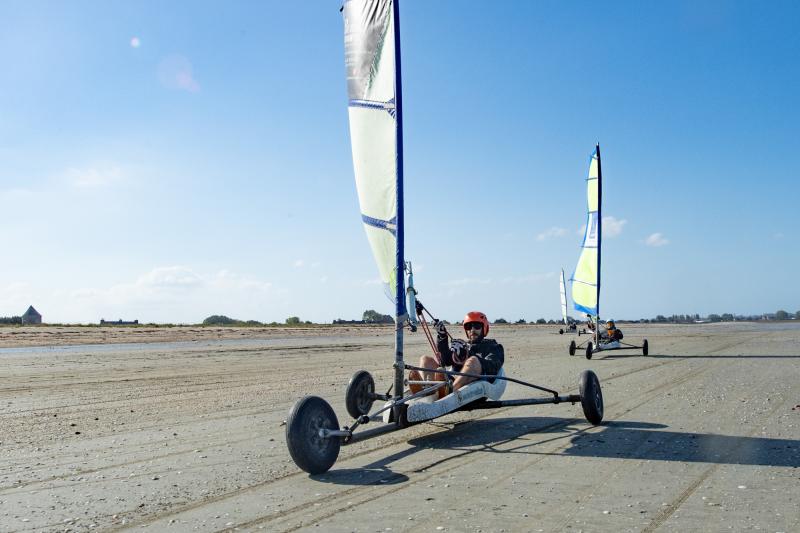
(170, 161)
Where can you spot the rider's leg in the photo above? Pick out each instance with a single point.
(471, 366)
(429, 362)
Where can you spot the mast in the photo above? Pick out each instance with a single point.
(400, 306)
(563, 289)
(599, 230)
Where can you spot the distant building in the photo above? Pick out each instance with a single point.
(119, 322)
(31, 316)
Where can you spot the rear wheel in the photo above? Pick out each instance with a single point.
(310, 451)
(360, 394)
(645, 348)
(589, 350)
(591, 397)
(572, 347)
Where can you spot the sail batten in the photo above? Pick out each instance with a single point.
(586, 278)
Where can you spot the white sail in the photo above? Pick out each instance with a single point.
(370, 62)
(563, 286)
(586, 279)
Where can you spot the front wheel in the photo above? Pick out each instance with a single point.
(645, 348)
(572, 348)
(310, 451)
(561, 332)
(360, 394)
(591, 397)
(589, 350)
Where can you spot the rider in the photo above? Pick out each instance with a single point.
(478, 355)
(612, 332)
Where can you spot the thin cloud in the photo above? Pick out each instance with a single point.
(466, 281)
(613, 226)
(15, 194)
(17, 295)
(656, 240)
(299, 263)
(528, 278)
(551, 233)
(225, 280)
(169, 284)
(175, 72)
(95, 176)
(173, 276)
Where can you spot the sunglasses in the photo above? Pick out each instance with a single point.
(473, 325)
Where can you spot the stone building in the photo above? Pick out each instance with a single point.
(31, 316)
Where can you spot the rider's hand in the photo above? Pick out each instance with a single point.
(440, 329)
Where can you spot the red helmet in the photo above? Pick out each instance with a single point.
(477, 316)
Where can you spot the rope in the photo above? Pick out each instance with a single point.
(428, 334)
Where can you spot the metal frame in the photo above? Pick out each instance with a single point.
(348, 434)
(596, 347)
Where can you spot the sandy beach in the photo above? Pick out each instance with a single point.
(182, 429)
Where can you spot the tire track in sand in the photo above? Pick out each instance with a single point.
(391, 442)
(301, 515)
(665, 513)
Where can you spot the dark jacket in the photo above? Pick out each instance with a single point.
(488, 351)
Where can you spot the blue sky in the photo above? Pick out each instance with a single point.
(169, 161)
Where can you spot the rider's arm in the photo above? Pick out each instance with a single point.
(492, 361)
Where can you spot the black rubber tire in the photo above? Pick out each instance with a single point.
(589, 350)
(561, 332)
(591, 397)
(572, 347)
(579, 333)
(358, 398)
(309, 451)
(645, 348)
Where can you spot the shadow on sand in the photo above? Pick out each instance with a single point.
(616, 439)
(612, 355)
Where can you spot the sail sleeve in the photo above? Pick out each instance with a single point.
(370, 65)
(586, 279)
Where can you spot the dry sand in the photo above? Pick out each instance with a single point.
(182, 430)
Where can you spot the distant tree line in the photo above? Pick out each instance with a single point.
(370, 316)
(724, 317)
(222, 320)
(10, 320)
